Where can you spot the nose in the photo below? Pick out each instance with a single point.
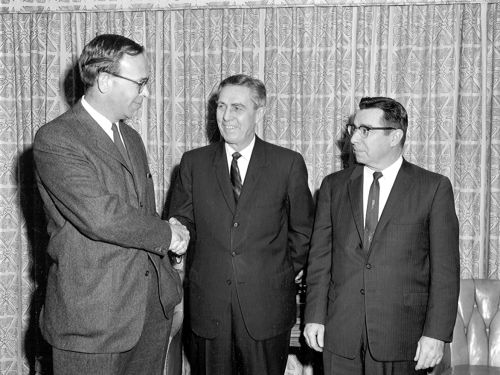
(145, 92)
(227, 113)
(355, 137)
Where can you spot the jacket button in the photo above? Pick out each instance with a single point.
(146, 273)
(233, 253)
(236, 225)
(362, 291)
(228, 282)
(368, 266)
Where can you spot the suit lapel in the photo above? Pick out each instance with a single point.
(355, 191)
(399, 191)
(134, 150)
(99, 137)
(222, 174)
(256, 167)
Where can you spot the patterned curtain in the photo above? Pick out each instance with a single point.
(442, 61)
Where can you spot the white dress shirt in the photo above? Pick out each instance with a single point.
(385, 182)
(103, 122)
(243, 161)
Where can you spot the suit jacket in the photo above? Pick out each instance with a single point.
(259, 244)
(103, 228)
(406, 285)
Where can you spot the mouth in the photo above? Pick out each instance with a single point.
(228, 127)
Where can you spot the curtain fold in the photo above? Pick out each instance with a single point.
(442, 61)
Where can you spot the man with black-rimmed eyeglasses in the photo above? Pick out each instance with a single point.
(383, 269)
(111, 289)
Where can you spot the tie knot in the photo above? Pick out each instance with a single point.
(377, 175)
(236, 155)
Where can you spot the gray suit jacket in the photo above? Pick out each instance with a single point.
(103, 228)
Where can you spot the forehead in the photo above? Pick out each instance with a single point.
(233, 94)
(135, 66)
(369, 116)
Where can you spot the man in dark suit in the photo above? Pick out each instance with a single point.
(383, 270)
(111, 289)
(249, 209)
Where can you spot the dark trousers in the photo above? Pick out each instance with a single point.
(235, 352)
(147, 357)
(365, 364)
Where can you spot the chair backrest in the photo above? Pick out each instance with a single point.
(476, 336)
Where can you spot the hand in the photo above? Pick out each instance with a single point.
(298, 278)
(314, 334)
(429, 352)
(180, 237)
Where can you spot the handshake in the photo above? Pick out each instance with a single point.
(180, 237)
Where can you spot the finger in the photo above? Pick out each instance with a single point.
(321, 344)
(173, 220)
(417, 354)
(311, 341)
(421, 364)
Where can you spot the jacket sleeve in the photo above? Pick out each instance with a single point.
(181, 203)
(320, 259)
(300, 213)
(444, 264)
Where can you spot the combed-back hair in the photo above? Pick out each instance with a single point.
(394, 113)
(254, 84)
(103, 54)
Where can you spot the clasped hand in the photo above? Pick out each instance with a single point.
(180, 237)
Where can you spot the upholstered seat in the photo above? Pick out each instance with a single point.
(475, 349)
(472, 370)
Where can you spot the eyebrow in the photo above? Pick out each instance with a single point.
(232, 104)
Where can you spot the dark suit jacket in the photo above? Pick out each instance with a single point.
(103, 227)
(407, 284)
(260, 244)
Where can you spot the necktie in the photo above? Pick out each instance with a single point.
(372, 211)
(236, 177)
(119, 144)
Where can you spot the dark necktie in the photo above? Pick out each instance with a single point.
(119, 144)
(372, 211)
(236, 177)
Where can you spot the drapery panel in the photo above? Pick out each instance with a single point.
(442, 61)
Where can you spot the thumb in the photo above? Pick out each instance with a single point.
(417, 354)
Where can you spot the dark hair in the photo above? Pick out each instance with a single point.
(103, 54)
(394, 113)
(254, 84)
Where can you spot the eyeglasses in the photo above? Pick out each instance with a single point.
(141, 84)
(364, 130)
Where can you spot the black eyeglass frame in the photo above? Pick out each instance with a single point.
(141, 84)
(365, 129)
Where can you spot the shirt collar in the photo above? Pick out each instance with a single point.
(98, 117)
(388, 173)
(246, 153)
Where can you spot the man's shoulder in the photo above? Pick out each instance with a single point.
(421, 174)
(61, 126)
(272, 147)
(344, 174)
(203, 151)
(276, 153)
(202, 155)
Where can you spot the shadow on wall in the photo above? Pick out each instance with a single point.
(213, 133)
(37, 351)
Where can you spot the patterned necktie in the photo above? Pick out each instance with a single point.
(372, 211)
(119, 144)
(236, 177)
